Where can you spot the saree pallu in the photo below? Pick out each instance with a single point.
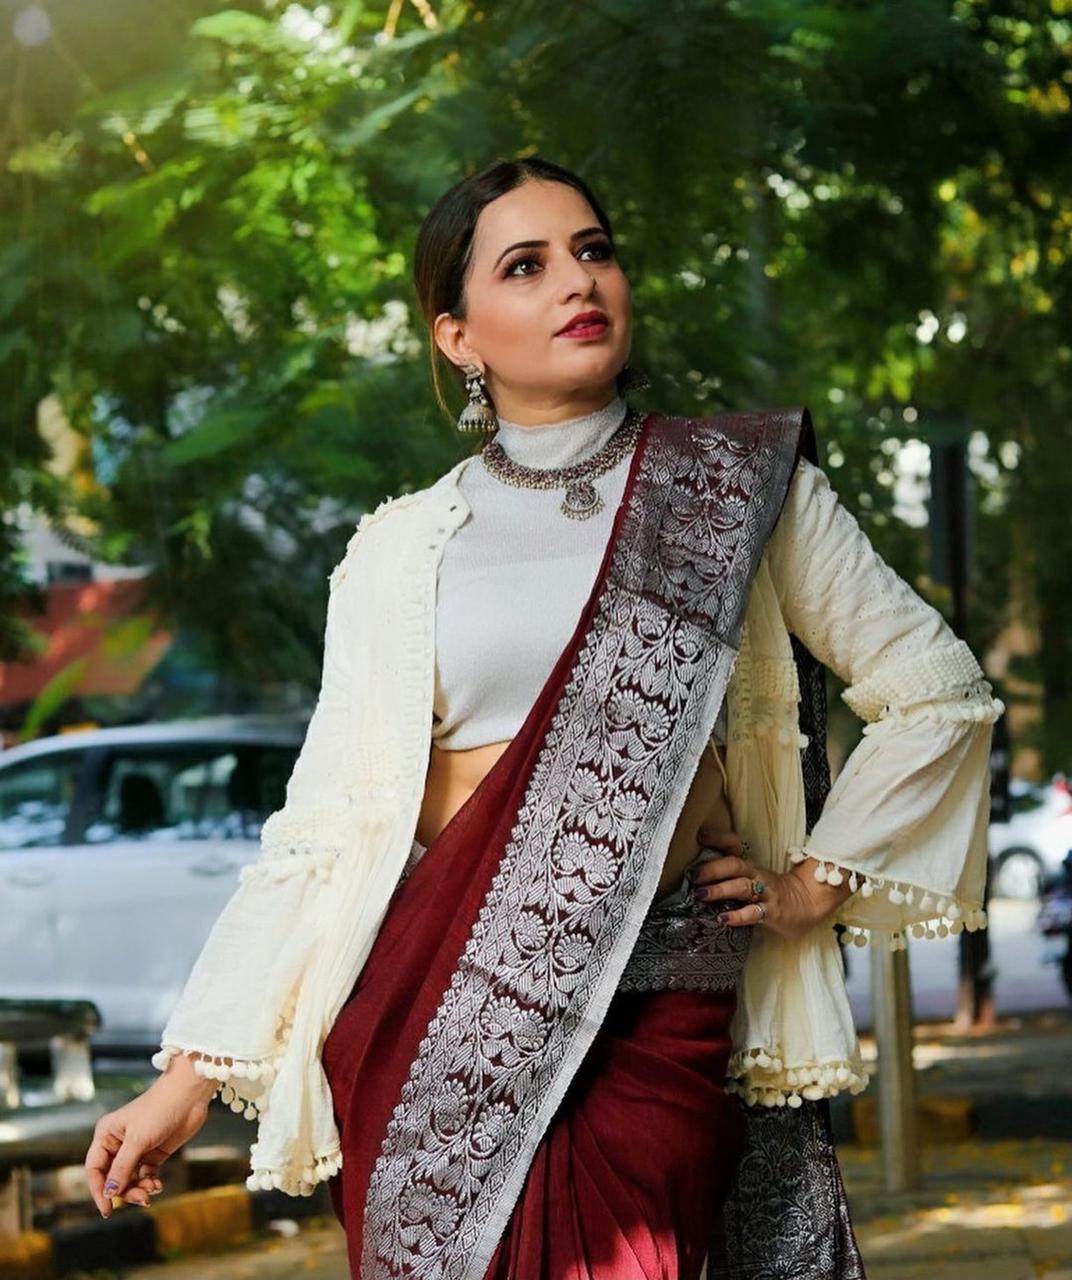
(528, 1074)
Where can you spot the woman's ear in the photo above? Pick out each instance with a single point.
(448, 333)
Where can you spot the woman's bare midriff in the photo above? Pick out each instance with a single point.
(453, 776)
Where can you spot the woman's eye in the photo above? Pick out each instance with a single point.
(602, 249)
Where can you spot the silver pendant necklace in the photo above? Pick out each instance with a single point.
(581, 499)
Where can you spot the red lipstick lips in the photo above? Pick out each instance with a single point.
(585, 324)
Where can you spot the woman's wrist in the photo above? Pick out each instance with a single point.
(182, 1072)
(825, 898)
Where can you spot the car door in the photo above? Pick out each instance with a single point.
(37, 798)
(156, 862)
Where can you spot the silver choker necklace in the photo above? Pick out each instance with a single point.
(581, 500)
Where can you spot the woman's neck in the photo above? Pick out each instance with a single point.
(559, 444)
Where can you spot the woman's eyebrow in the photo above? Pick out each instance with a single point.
(539, 244)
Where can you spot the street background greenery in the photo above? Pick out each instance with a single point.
(207, 215)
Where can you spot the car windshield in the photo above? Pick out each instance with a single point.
(197, 791)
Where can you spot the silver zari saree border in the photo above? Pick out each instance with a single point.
(585, 855)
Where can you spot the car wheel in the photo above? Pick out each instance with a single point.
(1018, 875)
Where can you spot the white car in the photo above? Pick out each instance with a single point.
(1030, 847)
(119, 848)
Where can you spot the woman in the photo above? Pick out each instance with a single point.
(572, 679)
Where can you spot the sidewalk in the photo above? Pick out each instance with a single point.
(990, 1210)
(996, 1205)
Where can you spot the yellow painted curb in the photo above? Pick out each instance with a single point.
(26, 1257)
(198, 1220)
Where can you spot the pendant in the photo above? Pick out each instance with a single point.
(581, 500)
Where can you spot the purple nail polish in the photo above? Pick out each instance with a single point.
(722, 917)
(703, 892)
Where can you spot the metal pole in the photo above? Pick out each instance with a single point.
(891, 1002)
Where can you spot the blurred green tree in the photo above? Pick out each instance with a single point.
(209, 214)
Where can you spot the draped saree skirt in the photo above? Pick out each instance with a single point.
(528, 1076)
(625, 1183)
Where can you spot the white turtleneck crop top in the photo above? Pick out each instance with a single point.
(514, 578)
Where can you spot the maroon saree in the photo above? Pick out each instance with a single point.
(528, 1076)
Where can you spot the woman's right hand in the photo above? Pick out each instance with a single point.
(131, 1143)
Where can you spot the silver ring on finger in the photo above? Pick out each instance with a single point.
(746, 848)
(761, 907)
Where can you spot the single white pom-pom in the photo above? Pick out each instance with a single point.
(896, 896)
(834, 876)
(794, 1100)
(867, 889)
(820, 872)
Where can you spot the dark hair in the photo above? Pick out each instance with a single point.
(444, 248)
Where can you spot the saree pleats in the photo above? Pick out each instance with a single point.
(628, 1178)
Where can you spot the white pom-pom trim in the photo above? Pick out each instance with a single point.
(946, 915)
(295, 1180)
(760, 1076)
(231, 1073)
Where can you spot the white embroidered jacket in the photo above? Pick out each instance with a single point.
(905, 821)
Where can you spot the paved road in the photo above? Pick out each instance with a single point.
(1023, 983)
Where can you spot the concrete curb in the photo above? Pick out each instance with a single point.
(187, 1223)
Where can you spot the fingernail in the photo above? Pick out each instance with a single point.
(722, 917)
(702, 892)
(111, 1187)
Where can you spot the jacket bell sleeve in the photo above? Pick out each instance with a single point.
(906, 819)
(235, 1010)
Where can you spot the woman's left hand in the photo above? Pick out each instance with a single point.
(793, 907)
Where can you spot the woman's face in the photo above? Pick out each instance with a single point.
(518, 298)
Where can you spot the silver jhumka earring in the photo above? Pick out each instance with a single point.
(478, 414)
